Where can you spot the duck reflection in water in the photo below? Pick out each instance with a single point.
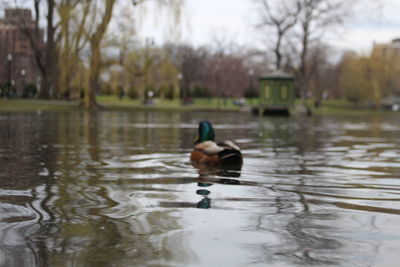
(207, 177)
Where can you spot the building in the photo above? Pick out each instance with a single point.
(276, 93)
(387, 51)
(388, 58)
(18, 66)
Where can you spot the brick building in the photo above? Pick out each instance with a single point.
(387, 51)
(388, 55)
(18, 66)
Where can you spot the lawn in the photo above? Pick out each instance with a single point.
(226, 104)
(114, 102)
(33, 104)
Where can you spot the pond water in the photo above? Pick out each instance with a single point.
(117, 189)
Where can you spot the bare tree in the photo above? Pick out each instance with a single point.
(322, 72)
(282, 17)
(226, 75)
(73, 16)
(95, 56)
(95, 46)
(45, 56)
(314, 18)
(299, 24)
(191, 63)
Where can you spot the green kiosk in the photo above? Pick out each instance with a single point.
(276, 93)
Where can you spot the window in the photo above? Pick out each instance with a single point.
(284, 92)
(267, 92)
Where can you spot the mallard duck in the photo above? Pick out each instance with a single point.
(207, 152)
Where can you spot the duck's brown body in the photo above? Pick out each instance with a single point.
(200, 158)
(214, 154)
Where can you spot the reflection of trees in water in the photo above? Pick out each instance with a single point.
(25, 155)
(27, 160)
(306, 185)
(87, 199)
(293, 144)
(75, 213)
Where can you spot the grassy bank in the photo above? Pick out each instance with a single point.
(340, 106)
(114, 103)
(33, 105)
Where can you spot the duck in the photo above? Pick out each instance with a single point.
(207, 152)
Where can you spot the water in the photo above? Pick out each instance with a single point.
(116, 189)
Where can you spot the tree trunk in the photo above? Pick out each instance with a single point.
(303, 72)
(64, 50)
(278, 53)
(95, 57)
(50, 56)
(95, 61)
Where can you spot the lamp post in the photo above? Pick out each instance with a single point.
(251, 90)
(251, 74)
(38, 85)
(23, 74)
(9, 61)
(179, 76)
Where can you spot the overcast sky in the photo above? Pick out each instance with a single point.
(234, 20)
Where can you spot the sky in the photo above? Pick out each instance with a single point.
(235, 20)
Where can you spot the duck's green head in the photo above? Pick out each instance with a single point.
(206, 132)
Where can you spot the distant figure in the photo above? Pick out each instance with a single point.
(207, 152)
(121, 94)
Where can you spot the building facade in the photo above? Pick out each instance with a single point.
(388, 56)
(19, 39)
(387, 51)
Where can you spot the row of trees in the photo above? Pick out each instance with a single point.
(88, 49)
(75, 33)
(172, 71)
(296, 30)
(368, 80)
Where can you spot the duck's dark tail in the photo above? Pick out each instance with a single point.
(231, 157)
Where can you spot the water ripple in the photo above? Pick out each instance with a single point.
(118, 189)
